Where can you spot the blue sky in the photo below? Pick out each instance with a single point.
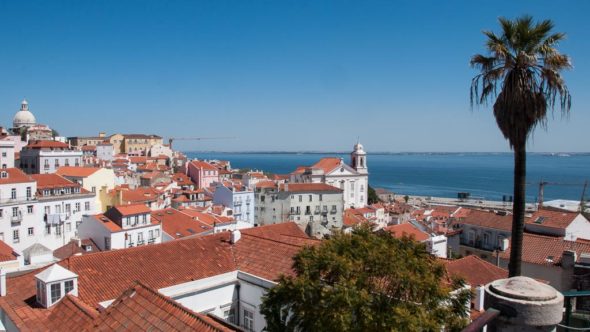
(278, 75)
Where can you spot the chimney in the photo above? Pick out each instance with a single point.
(2, 282)
(235, 236)
(478, 299)
(568, 259)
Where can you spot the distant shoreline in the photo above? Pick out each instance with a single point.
(550, 154)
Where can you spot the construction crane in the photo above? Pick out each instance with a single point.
(542, 185)
(172, 139)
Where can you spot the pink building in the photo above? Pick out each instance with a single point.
(202, 174)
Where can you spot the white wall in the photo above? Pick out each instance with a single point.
(579, 228)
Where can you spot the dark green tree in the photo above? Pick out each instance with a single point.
(521, 75)
(366, 282)
(406, 198)
(372, 198)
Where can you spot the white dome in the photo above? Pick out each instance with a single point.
(24, 118)
(358, 148)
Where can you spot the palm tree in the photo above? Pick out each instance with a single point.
(524, 65)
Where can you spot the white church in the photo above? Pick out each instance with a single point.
(352, 178)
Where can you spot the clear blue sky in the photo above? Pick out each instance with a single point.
(279, 75)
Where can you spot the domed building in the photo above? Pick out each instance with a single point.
(23, 118)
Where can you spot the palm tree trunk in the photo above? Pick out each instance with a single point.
(518, 208)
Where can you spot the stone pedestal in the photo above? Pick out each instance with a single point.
(525, 305)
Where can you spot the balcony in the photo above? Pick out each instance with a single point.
(151, 241)
(16, 220)
(16, 200)
(140, 242)
(333, 211)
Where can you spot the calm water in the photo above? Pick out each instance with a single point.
(483, 175)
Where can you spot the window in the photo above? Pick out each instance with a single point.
(486, 239)
(229, 314)
(1, 213)
(29, 194)
(321, 197)
(300, 198)
(67, 162)
(248, 320)
(57, 230)
(55, 292)
(144, 219)
(310, 198)
(48, 229)
(13, 193)
(87, 206)
(47, 209)
(107, 243)
(68, 286)
(77, 207)
(68, 227)
(29, 209)
(93, 189)
(151, 234)
(4, 175)
(140, 238)
(56, 163)
(3, 153)
(157, 233)
(68, 208)
(15, 211)
(15, 236)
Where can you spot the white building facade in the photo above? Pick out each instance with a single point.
(241, 202)
(352, 178)
(43, 157)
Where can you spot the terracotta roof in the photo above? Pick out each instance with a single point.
(203, 165)
(52, 180)
(14, 175)
(77, 171)
(108, 223)
(141, 308)
(264, 251)
(474, 270)
(72, 248)
(6, 252)
(552, 219)
(70, 314)
(205, 217)
(309, 187)
(178, 224)
(328, 164)
(88, 148)
(547, 250)
(351, 219)
(266, 184)
(401, 230)
(46, 144)
(488, 220)
(127, 210)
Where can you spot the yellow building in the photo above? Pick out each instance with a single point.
(94, 179)
(134, 144)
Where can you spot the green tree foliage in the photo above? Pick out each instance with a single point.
(54, 133)
(366, 282)
(522, 75)
(373, 198)
(406, 198)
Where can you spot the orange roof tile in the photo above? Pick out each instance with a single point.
(401, 230)
(76, 171)
(474, 270)
(328, 164)
(157, 312)
(552, 218)
(488, 220)
(46, 144)
(14, 175)
(70, 314)
(308, 187)
(546, 250)
(52, 180)
(178, 224)
(203, 165)
(6, 252)
(264, 251)
(127, 210)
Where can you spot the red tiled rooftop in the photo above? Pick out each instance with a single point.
(6, 252)
(308, 187)
(328, 164)
(76, 171)
(52, 180)
(203, 165)
(178, 224)
(47, 144)
(398, 231)
(127, 210)
(474, 270)
(488, 220)
(552, 218)
(15, 175)
(547, 250)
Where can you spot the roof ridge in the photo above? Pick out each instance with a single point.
(82, 306)
(173, 303)
(272, 240)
